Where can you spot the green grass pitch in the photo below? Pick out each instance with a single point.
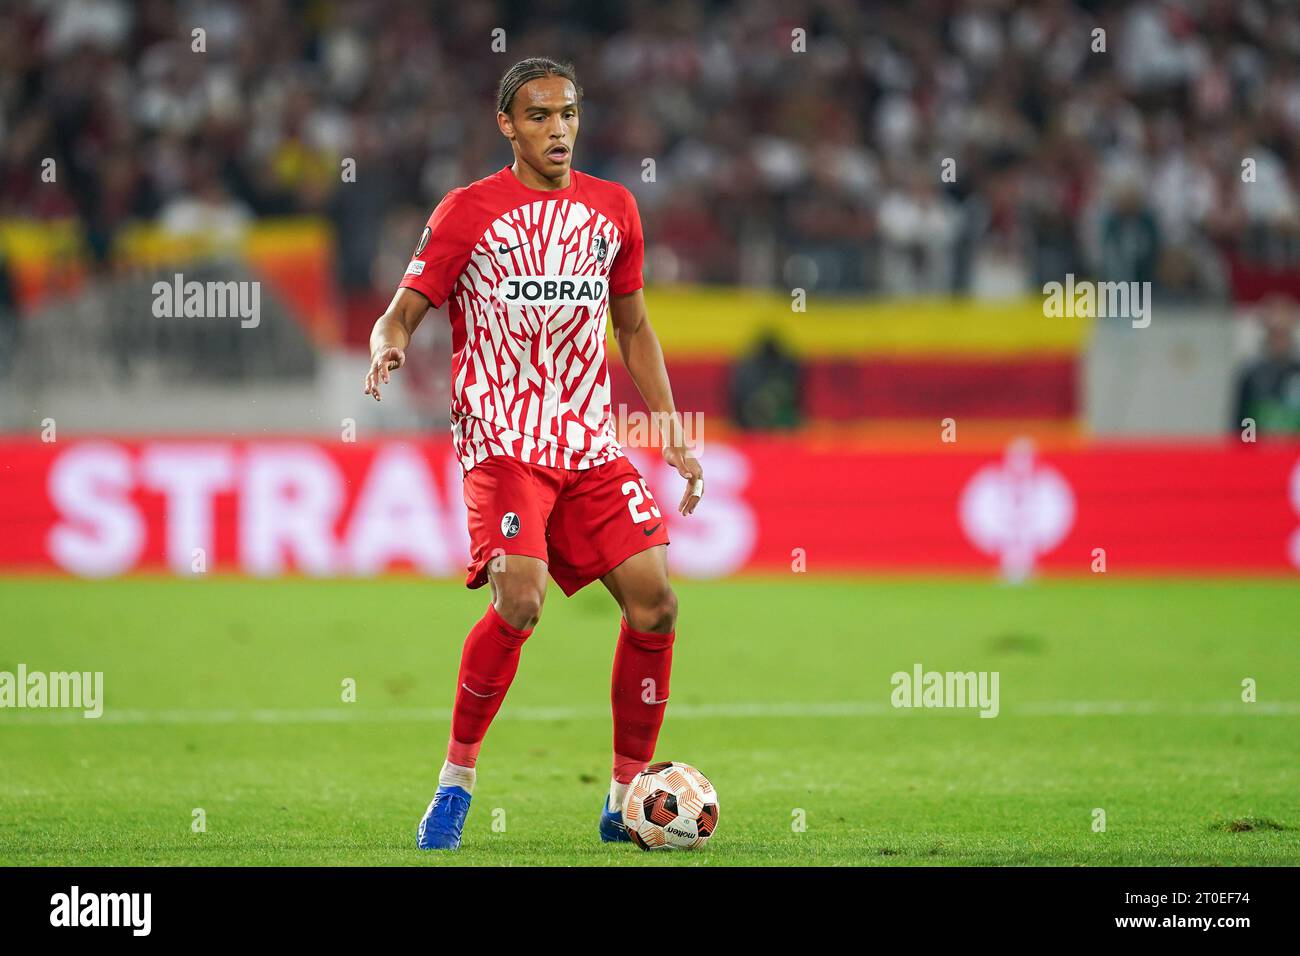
(225, 694)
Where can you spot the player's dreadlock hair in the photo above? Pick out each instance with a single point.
(531, 69)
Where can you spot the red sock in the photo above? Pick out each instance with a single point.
(487, 666)
(639, 694)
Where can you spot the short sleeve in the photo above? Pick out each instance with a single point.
(441, 252)
(625, 276)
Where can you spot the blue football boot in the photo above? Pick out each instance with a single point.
(443, 821)
(611, 824)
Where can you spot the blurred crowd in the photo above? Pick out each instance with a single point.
(973, 146)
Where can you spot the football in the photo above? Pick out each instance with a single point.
(670, 806)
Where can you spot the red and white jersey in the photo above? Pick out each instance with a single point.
(528, 274)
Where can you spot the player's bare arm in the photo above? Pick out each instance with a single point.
(644, 358)
(390, 337)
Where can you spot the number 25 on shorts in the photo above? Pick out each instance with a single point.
(640, 495)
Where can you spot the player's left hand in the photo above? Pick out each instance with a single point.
(384, 360)
(688, 466)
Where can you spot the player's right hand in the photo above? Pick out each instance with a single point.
(381, 363)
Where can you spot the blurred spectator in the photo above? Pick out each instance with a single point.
(918, 229)
(206, 209)
(8, 316)
(765, 387)
(1130, 239)
(1268, 390)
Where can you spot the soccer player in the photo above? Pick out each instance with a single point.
(531, 260)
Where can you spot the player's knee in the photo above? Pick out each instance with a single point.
(520, 604)
(655, 613)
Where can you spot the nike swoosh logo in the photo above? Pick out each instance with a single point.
(649, 531)
(502, 249)
(477, 694)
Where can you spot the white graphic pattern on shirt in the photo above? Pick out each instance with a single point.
(531, 381)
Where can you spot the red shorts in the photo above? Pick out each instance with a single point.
(583, 524)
